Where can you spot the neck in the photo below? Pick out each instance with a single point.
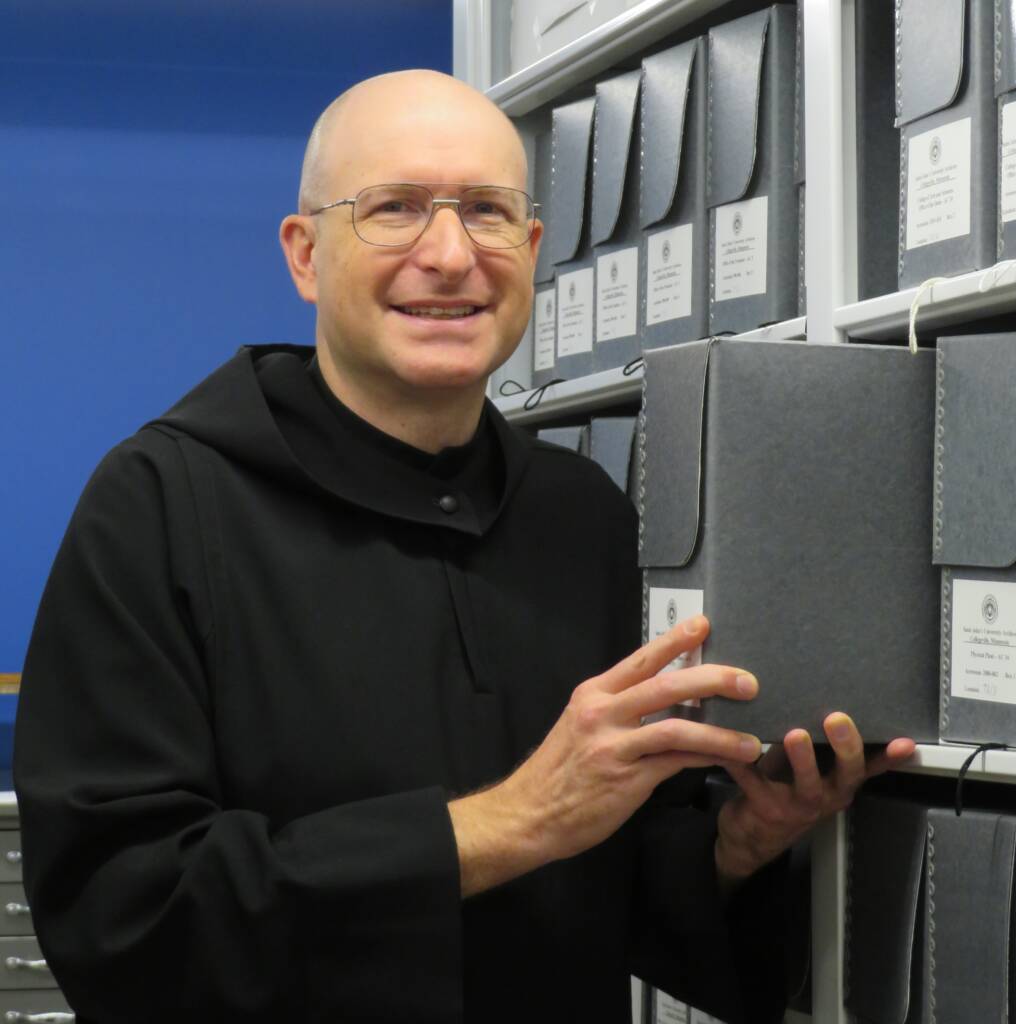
(429, 420)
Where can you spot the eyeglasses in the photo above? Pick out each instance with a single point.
(493, 216)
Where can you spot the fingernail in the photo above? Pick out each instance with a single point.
(751, 747)
(693, 626)
(746, 685)
(841, 731)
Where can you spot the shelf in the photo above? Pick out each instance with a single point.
(611, 387)
(574, 397)
(954, 300)
(584, 58)
(947, 759)
(786, 330)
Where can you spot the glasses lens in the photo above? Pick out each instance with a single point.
(496, 217)
(391, 214)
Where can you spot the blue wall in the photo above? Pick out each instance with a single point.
(148, 151)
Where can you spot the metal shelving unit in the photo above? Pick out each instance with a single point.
(948, 301)
(611, 387)
(833, 312)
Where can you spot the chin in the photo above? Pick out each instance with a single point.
(445, 379)
(448, 374)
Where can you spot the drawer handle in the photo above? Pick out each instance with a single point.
(57, 1017)
(17, 909)
(19, 963)
(13, 856)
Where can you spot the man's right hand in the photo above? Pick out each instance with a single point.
(599, 764)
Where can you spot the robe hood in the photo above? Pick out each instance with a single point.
(230, 413)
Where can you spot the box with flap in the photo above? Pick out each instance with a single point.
(783, 491)
(611, 440)
(568, 236)
(878, 148)
(575, 439)
(945, 111)
(974, 538)
(674, 304)
(614, 226)
(751, 192)
(929, 910)
(532, 363)
(544, 325)
(799, 161)
(1005, 91)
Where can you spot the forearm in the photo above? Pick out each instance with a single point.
(499, 837)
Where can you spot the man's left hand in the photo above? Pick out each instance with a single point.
(770, 814)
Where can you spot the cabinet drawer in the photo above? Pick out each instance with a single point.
(10, 855)
(34, 1007)
(22, 965)
(15, 918)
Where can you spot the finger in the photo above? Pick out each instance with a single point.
(662, 766)
(750, 780)
(678, 735)
(848, 746)
(896, 753)
(668, 688)
(808, 786)
(655, 655)
(774, 766)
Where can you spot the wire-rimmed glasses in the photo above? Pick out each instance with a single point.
(494, 216)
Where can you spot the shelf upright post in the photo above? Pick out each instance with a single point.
(831, 163)
(828, 918)
(472, 43)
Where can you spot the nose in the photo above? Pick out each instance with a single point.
(445, 247)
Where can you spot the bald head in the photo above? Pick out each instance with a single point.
(358, 121)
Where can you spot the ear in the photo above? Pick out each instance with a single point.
(298, 238)
(534, 242)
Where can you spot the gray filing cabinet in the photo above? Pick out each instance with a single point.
(28, 991)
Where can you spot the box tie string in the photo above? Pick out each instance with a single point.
(924, 286)
(966, 767)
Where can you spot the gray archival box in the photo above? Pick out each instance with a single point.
(615, 220)
(975, 536)
(610, 446)
(544, 309)
(752, 194)
(929, 904)
(568, 237)
(1005, 91)
(784, 491)
(674, 263)
(945, 110)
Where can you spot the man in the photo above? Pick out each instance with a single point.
(329, 713)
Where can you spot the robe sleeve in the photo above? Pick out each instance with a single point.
(152, 898)
(726, 958)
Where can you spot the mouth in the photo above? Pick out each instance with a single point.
(427, 312)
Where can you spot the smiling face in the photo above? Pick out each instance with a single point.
(438, 315)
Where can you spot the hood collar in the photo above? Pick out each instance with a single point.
(229, 412)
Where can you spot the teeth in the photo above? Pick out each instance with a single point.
(439, 311)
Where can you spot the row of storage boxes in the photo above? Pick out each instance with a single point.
(28, 991)
(843, 516)
(673, 196)
(701, 142)
(929, 912)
